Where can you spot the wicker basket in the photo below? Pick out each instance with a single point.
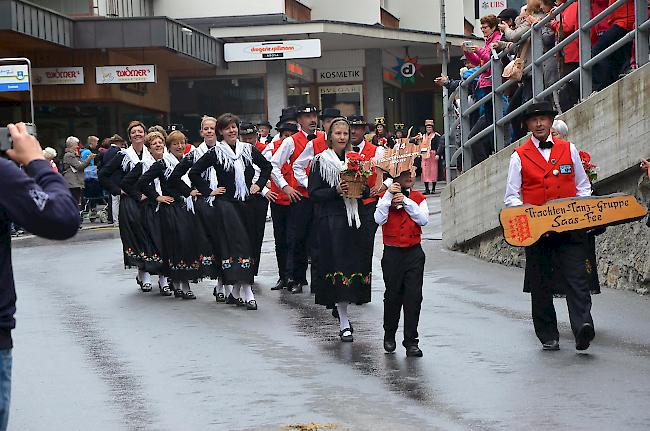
(356, 183)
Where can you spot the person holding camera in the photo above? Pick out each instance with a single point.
(38, 199)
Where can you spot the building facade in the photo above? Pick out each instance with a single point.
(370, 57)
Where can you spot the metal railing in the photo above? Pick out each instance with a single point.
(534, 71)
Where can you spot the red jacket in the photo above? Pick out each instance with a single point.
(542, 181)
(623, 16)
(570, 24)
(400, 230)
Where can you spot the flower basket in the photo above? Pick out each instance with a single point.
(356, 183)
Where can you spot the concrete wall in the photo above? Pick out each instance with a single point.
(614, 127)
(358, 11)
(201, 8)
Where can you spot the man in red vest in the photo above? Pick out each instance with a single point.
(300, 213)
(280, 212)
(543, 169)
(402, 212)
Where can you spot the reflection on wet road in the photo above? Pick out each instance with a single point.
(92, 352)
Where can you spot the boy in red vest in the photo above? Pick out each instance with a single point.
(401, 213)
(543, 169)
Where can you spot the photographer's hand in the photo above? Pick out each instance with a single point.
(25, 146)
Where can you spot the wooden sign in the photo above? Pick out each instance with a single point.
(400, 158)
(524, 225)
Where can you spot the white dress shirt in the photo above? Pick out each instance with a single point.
(282, 156)
(513, 186)
(418, 213)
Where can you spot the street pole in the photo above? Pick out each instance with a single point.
(445, 92)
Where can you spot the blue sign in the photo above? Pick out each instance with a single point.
(14, 78)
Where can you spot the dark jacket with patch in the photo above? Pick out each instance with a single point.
(38, 200)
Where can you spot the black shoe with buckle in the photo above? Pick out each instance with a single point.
(281, 284)
(165, 291)
(389, 343)
(240, 302)
(551, 345)
(146, 287)
(584, 336)
(296, 287)
(251, 305)
(189, 295)
(413, 351)
(220, 297)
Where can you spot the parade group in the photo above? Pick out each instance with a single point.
(191, 213)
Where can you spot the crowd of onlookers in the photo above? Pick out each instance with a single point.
(506, 31)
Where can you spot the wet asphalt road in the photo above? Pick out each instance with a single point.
(92, 352)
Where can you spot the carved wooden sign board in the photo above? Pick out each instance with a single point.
(401, 157)
(525, 225)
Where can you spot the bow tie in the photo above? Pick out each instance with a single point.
(311, 136)
(546, 145)
(406, 192)
(356, 149)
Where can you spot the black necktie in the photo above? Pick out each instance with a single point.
(311, 137)
(546, 145)
(356, 149)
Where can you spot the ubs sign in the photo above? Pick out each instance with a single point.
(348, 74)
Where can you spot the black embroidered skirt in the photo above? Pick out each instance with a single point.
(152, 261)
(255, 214)
(186, 252)
(132, 232)
(208, 230)
(344, 260)
(233, 241)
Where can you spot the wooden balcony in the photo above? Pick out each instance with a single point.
(297, 11)
(388, 19)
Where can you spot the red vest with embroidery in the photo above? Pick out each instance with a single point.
(400, 230)
(542, 181)
(369, 150)
(287, 173)
(300, 142)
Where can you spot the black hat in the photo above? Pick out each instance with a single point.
(287, 126)
(247, 128)
(307, 108)
(330, 113)
(264, 123)
(508, 13)
(289, 113)
(357, 120)
(541, 108)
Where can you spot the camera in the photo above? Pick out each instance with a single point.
(5, 137)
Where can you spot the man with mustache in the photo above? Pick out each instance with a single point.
(301, 208)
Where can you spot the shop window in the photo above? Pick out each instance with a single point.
(347, 98)
(297, 96)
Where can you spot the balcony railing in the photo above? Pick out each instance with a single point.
(498, 130)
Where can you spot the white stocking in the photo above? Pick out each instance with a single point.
(145, 277)
(247, 292)
(235, 291)
(344, 322)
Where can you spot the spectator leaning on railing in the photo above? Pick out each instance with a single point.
(38, 199)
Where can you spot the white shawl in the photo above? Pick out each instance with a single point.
(170, 163)
(236, 160)
(131, 158)
(209, 174)
(330, 171)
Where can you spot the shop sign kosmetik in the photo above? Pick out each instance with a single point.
(347, 74)
(125, 74)
(58, 75)
(280, 50)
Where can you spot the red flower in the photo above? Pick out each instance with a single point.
(584, 156)
(354, 157)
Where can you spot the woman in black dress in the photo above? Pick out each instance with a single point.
(344, 231)
(135, 242)
(184, 251)
(206, 214)
(149, 219)
(233, 161)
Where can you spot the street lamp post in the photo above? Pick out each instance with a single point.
(445, 92)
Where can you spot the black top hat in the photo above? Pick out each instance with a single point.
(287, 126)
(540, 108)
(247, 128)
(264, 123)
(357, 120)
(330, 113)
(508, 14)
(289, 113)
(307, 108)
